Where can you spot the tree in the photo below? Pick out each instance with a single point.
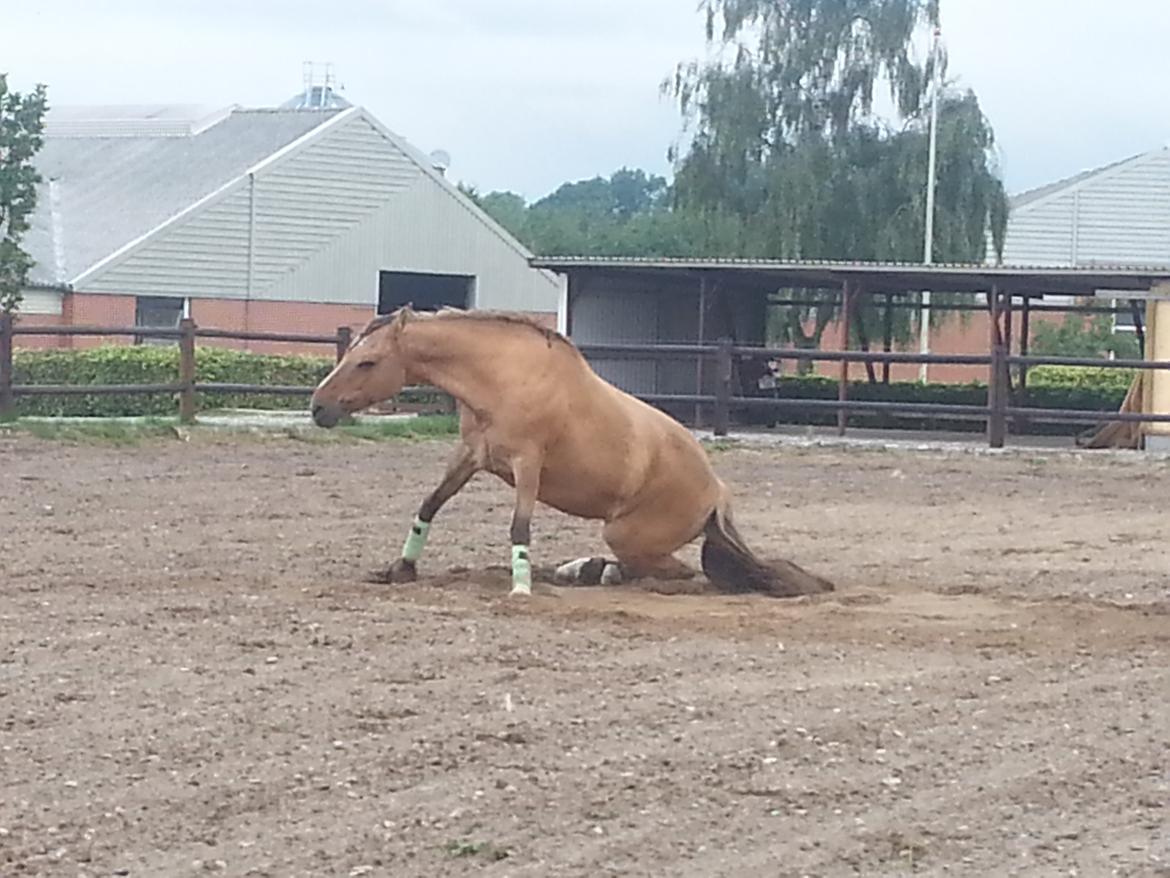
(508, 209)
(627, 214)
(21, 126)
(788, 160)
(1077, 337)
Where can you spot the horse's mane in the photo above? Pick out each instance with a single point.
(505, 317)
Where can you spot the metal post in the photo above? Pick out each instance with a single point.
(723, 388)
(843, 385)
(7, 401)
(187, 371)
(931, 185)
(344, 339)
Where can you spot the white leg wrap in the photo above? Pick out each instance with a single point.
(612, 575)
(571, 572)
(521, 571)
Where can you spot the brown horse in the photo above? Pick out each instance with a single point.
(534, 413)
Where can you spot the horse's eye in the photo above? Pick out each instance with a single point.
(366, 364)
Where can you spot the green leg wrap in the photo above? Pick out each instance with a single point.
(521, 571)
(415, 542)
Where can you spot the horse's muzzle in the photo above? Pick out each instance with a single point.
(326, 415)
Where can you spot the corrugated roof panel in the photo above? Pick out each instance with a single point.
(112, 190)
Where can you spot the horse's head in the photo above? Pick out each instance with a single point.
(371, 371)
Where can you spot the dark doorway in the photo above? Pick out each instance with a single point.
(423, 291)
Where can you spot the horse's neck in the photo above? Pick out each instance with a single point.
(449, 355)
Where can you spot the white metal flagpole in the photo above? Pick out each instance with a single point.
(931, 176)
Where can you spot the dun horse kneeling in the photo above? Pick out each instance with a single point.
(534, 413)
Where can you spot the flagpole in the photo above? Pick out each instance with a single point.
(931, 177)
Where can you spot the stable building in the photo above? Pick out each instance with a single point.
(302, 218)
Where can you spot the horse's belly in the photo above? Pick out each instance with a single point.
(580, 494)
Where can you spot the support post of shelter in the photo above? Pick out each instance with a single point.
(846, 328)
(1008, 331)
(723, 388)
(344, 339)
(1157, 396)
(1025, 338)
(7, 401)
(187, 371)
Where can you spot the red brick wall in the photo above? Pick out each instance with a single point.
(40, 342)
(258, 316)
(93, 310)
(302, 317)
(957, 336)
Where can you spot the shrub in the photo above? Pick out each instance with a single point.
(149, 364)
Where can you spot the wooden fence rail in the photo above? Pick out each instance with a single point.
(996, 412)
(187, 385)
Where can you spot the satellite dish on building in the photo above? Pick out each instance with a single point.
(441, 160)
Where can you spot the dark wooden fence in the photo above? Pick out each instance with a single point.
(186, 384)
(997, 411)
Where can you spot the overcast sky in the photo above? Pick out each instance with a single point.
(526, 94)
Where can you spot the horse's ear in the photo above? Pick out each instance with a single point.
(404, 314)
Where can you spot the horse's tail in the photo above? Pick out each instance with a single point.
(733, 567)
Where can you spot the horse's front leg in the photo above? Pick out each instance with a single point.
(459, 472)
(526, 476)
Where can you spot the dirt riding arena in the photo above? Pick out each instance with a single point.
(195, 680)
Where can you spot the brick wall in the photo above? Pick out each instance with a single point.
(82, 309)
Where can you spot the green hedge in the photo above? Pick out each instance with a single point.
(1108, 381)
(150, 364)
(1051, 387)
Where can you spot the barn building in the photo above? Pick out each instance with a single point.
(1118, 215)
(296, 219)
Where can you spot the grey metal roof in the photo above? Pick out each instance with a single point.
(1032, 195)
(881, 276)
(103, 192)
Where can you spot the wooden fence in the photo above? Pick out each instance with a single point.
(997, 411)
(186, 385)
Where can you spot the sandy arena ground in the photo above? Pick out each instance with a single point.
(195, 680)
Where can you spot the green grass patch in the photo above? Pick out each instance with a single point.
(99, 432)
(113, 431)
(421, 427)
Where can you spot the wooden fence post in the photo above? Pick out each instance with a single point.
(187, 371)
(847, 300)
(344, 338)
(997, 396)
(723, 388)
(7, 401)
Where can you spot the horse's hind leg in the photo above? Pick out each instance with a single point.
(645, 545)
(459, 472)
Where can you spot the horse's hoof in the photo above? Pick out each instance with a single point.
(401, 571)
(589, 571)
